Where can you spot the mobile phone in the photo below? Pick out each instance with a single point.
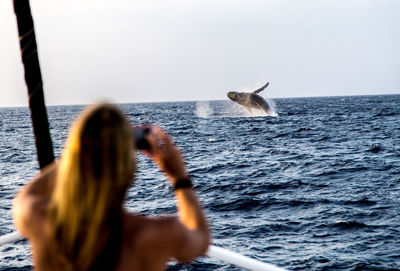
(139, 137)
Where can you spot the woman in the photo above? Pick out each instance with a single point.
(72, 212)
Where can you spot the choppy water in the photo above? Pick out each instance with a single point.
(316, 187)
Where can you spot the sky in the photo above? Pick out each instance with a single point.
(132, 51)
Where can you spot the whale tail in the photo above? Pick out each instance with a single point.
(261, 88)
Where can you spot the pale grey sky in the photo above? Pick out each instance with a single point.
(178, 50)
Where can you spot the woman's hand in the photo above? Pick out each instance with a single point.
(165, 154)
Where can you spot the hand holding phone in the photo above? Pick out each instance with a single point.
(139, 136)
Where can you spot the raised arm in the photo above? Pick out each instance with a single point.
(193, 232)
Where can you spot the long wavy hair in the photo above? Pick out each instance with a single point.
(95, 170)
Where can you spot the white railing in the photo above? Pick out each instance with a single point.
(231, 257)
(213, 252)
(10, 238)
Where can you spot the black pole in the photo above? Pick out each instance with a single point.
(33, 79)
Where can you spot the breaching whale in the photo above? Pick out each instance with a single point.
(251, 100)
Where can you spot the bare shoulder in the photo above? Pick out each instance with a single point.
(142, 237)
(30, 206)
(162, 232)
(166, 234)
(151, 229)
(30, 214)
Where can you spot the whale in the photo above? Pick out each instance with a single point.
(251, 100)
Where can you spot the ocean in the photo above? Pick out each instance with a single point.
(316, 186)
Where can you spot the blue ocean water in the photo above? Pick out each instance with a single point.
(315, 187)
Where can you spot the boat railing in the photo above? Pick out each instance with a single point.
(215, 252)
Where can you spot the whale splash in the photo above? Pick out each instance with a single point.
(224, 109)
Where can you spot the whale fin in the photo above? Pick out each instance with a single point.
(261, 88)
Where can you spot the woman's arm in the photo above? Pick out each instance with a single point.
(193, 227)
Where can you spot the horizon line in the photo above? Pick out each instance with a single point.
(183, 101)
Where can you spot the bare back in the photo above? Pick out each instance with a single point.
(147, 243)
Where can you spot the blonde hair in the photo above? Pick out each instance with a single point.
(94, 173)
